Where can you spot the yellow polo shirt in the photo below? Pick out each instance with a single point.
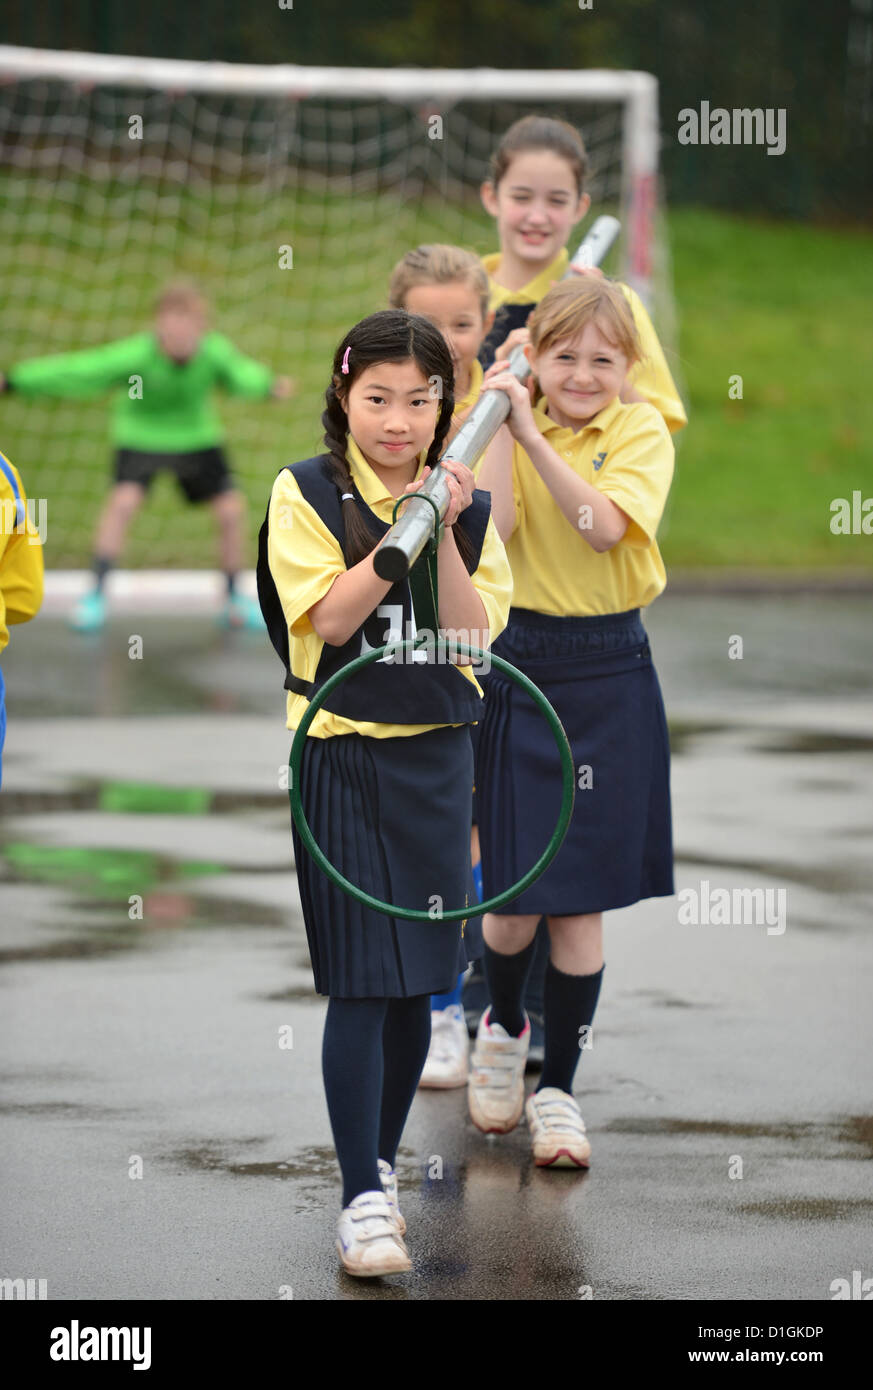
(650, 376)
(627, 454)
(21, 559)
(533, 291)
(305, 558)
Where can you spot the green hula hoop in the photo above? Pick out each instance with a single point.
(457, 914)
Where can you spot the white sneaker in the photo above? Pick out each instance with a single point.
(389, 1187)
(496, 1091)
(367, 1241)
(447, 1057)
(557, 1130)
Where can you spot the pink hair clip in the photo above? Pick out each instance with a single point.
(345, 366)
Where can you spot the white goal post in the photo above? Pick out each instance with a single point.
(286, 193)
(636, 92)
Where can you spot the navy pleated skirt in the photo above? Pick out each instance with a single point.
(598, 674)
(393, 815)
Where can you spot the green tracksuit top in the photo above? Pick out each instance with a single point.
(169, 409)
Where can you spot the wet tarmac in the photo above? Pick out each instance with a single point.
(159, 1142)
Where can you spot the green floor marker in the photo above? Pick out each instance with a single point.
(101, 869)
(154, 798)
(134, 871)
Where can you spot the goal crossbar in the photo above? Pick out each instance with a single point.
(294, 80)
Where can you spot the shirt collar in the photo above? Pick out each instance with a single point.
(368, 483)
(533, 291)
(600, 422)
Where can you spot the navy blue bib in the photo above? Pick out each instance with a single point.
(402, 690)
(507, 318)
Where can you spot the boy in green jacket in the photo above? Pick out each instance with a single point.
(163, 417)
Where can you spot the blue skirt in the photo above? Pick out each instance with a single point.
(598, 674)
(393, 815)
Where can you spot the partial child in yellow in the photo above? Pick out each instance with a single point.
(536, 194)
(578, 486)
(448, 286)
(21, 568)
(387, 767)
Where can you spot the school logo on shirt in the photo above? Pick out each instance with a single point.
(599, 460)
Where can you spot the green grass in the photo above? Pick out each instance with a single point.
(782, 305)
(787, 308)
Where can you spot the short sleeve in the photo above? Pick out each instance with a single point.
(651, 377)
(492, 581)
(638, 471)
(304, 556)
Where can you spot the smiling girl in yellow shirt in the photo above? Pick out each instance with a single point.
(578, 486)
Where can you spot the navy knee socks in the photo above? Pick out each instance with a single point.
(373, 1053)
(506, 976)
(569, 1004)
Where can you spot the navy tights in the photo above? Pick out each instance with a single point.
(372, 1056)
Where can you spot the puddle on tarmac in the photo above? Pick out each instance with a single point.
(293, 996)
(858, 1129)
(169, 910)
(313, 1168)
(815, 743)
(142, 798)
(62, 1110)
(105, 871)
(839, 878)
(80, 949)
(684, 731)
(316, 1165)
(764, 739)
(666, 1001)
(810, 1208)
(849, 1137)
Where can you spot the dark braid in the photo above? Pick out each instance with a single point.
(392, 335)
(360, 540)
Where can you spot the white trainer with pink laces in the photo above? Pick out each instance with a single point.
(495, 1093)
(557, 1130)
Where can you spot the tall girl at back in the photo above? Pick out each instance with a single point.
(536, 195)
(387, 764)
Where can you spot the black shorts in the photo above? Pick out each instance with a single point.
(201, 473)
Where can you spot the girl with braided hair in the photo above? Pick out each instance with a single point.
(387, 765)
